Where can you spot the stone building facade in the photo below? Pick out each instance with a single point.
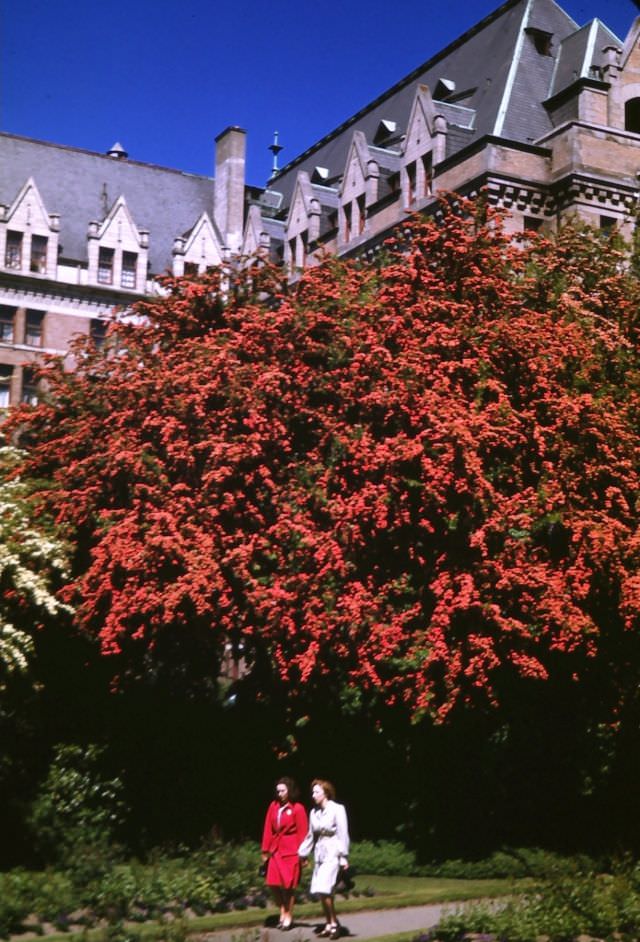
(538, 112)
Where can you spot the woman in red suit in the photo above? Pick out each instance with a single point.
(285, 827)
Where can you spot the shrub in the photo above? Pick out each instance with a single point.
(508, 863)
(383, 858)
(76, 812)
(572, 900)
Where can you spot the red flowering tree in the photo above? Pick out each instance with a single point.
(414, 476)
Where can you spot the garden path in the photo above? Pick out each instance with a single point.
(360, 926)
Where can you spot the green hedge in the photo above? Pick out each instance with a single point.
(214, 880)
(573, 900)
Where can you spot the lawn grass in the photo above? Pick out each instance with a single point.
(390, 893)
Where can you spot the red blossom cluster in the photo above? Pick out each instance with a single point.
(412, 474)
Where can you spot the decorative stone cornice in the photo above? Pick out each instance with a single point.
(601, 194)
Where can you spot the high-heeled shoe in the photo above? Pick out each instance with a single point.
(334, 932)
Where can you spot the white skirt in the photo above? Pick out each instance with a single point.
(326, 864)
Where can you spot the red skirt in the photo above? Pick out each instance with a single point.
(283, 871)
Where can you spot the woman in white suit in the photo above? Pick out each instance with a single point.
(328, 838)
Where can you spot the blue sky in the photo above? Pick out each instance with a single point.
(164, 77)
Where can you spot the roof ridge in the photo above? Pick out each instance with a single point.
(105, 156)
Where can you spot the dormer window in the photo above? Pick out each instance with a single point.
(13, 252)
(39, 254)
(362, 217)
(386, 130)
(117, 250)
(411, 183)
(541, 39)
(128, 274)
(444, 89)
(320, 175)
(427, 174)
(105, 266)
(29, 234)
(347, 222)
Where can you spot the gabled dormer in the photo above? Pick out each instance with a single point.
(256, 240)
(29, 234)
(424, 147)
(303, 222)
(578, 91)
(198, 249)
(359, 188)
(118, 250)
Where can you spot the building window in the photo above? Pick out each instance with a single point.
(98, 332)
(191, 268)
(39, 254)
(33, 328)
(632, 115)
(411, 184)
(427, 169)
(105, 266)
(361, 214)
(128, 275)
(347, 221)
(607, 224)
(29, 387)
(7, 324)
(394, 183)
(13, 252)
(6, 372)
(532, 223)
(292, 254)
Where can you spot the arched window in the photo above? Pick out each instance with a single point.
(632, 115)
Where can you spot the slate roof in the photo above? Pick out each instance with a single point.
(78, 184)
(496, 61)
(579, 53)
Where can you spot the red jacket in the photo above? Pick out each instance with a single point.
(285, 835)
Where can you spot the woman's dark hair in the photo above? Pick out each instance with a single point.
(292, 788)
(327, 787)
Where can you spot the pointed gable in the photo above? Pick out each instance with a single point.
(29, 210)
(204, 243)
(117, 250)
(356, 167)
(251, 240)
(29, 234)
(305, 208)
(119, 228)
(422, 124)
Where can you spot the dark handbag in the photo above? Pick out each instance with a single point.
(345, 882)
(262, 869)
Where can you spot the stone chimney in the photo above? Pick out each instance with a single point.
(228, 205)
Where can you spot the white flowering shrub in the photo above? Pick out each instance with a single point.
(32, 560)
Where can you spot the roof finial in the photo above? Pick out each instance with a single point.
(275, 149)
